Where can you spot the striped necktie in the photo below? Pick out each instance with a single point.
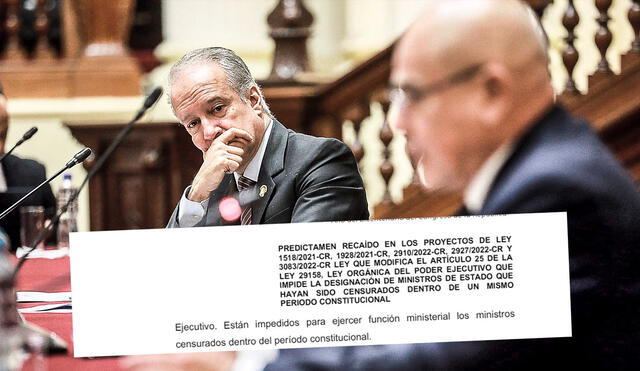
(244, 184)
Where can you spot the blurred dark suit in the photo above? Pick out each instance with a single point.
(23, 175)
(559, 165)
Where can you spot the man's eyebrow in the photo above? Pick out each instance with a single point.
(215, 98)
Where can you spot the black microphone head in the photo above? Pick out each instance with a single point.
(29, 133)
(82, 155)
(153, 97)
(79, 157)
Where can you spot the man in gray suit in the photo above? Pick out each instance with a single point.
(289, 177)
(280, 176)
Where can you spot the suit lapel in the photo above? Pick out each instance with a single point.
(226, 188)
(272, 165)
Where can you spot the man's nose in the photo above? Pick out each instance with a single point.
(210, 129)
(394, 117)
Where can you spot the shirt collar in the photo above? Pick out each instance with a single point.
(476, 192)
(253, 168)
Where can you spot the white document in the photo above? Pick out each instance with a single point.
(320, 284)
(42, 253)
(38, 296)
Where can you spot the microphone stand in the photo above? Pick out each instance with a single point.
(58, 346)
(151, 99)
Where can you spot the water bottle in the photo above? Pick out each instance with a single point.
(69, 220)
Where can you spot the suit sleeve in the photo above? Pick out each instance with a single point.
(188, 213)
(331, 188)
(173, 219)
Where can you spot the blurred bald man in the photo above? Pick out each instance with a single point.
(471, 77)
(474, 98)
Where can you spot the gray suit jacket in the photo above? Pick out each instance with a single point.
(307, 179)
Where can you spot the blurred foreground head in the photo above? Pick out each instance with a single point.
(469, 76)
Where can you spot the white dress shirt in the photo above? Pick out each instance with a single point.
(476, 192)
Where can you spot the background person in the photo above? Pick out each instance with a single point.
(17, 178)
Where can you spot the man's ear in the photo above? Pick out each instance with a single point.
(497, 93)
(254, 99)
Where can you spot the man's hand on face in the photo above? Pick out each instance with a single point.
(224, 156)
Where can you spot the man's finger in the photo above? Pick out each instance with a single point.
(235, 150)
(234, 158)
(231, 165)
(234, 133)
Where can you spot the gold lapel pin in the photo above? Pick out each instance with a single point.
(263, 190)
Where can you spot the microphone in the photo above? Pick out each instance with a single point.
(26, 136)
(77, 158)
(148, 102)
(152, 98)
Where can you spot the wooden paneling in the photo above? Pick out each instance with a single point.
(142, 182)
(94, 60)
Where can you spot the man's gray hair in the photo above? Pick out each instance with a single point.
(237, 72)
